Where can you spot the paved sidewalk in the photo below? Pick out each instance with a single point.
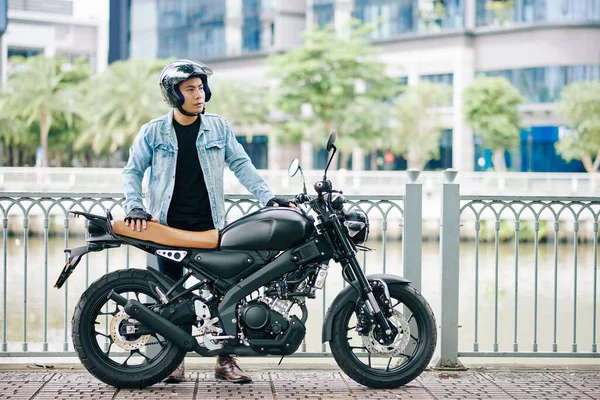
(322, 384)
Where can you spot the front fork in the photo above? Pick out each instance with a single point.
(365, 288)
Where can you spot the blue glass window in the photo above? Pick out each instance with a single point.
(22, 52)
(191, 29)
(394, 17)
(497, 12)
(252, 26)
(323, 12)
(545, 84)
(257, 148)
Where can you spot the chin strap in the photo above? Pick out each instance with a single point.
(181, 110)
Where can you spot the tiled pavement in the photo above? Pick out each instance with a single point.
(302, 384)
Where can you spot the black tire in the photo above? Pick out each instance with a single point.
(416, 354)
(94, 308)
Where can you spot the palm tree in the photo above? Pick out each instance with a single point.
(115, 104)
(36, 92)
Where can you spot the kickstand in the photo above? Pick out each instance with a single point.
(280, 360)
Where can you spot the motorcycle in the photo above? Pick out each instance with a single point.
(251, 281)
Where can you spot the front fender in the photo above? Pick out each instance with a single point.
(350, 294)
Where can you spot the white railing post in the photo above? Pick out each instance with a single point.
(449, 253)
(412, 230)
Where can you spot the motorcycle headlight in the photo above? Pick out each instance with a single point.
(357, 224)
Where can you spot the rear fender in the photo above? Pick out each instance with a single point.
(350, 294)
(75, 255)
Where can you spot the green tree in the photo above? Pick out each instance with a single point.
(115, 104)
(244, 106)
(39, 92)
(323, 76)
(365, 124)
(580, 105)
(417, 129)
(491, 107)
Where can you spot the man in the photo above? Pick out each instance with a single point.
(186, 151)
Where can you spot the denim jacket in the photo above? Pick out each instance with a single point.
(155, 147)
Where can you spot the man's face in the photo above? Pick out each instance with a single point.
(193, 95)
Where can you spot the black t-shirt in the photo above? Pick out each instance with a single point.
(190, 206)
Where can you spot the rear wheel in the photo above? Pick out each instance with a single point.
(372, 364)
(101, 340)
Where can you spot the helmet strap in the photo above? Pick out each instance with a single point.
(181, 110)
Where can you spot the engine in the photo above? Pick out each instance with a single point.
(269, 331)
(261, 322)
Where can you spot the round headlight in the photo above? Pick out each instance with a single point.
(357, 224)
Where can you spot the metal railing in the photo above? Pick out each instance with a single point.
(37, 227)
(109, 180)
(529, 286)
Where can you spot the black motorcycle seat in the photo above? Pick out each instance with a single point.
(161, 234)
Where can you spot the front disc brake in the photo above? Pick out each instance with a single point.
(394, 349)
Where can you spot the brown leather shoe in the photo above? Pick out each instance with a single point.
(228, 370)
(177, 376)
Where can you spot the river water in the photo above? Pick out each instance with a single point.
(574, 299)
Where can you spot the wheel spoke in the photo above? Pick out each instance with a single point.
(357, 347)
(350, 328)
(395, 305)
(161, 342)
(369, 355)
(103, 334)
(107, 352)
(124, 363)
(148, 359)
(388, 364)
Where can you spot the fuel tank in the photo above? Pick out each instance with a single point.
(273, 228)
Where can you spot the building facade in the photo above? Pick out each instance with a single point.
(50, 27)
(539, 45)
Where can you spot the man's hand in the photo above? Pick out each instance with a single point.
(276, 202)
(137, 219)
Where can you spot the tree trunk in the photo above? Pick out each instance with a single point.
(414, 160)
(57, 158)
(373, 161)
(587, 163)
(344, 157)
(596, 163)
(20, 155)
(499, 161)
(45, 120)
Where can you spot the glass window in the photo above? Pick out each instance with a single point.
(251, 31)
(323, 12)
(508, 12)
(191, 29)
(545, 84)
(23, 52)
(394, 17)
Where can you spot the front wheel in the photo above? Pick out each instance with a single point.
(375, 365)
(104, 345)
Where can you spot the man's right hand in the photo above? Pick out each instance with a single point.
(137, 218)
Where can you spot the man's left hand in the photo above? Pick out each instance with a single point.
(279, 202)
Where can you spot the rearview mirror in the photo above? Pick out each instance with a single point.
(294, 167)
(331, 140)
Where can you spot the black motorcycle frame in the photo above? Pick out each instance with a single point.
(330, 241)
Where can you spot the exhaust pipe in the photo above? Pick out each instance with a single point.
(160, 325)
